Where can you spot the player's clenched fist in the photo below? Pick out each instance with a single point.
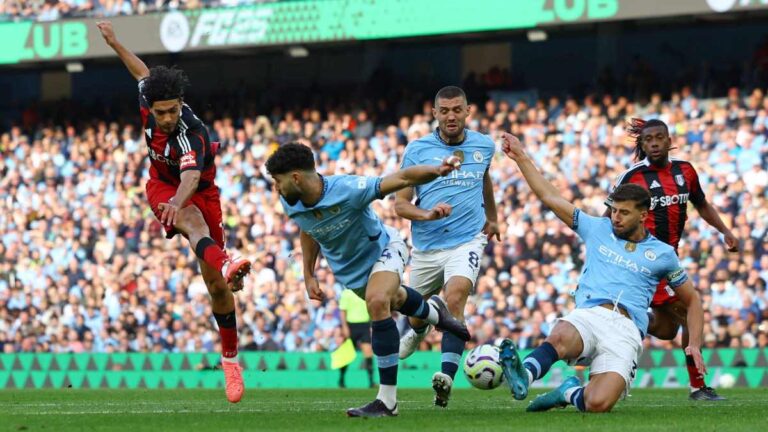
(107, 32)
(511, 146)
(439, 211)
(451, 163)
(313, 289)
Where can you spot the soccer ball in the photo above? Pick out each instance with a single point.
(726, 380)
(482, 367)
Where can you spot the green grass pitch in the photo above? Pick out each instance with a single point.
(321, 410)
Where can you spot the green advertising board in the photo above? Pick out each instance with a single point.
(308, 22)
(656, 369)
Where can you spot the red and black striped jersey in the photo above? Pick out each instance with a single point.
(187, 148)
(671, 188)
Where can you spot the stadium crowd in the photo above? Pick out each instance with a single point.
(51, 10)
(84, 265)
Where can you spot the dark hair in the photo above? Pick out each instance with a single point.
(164, 83)
(635, 131)
(631, 192)
(290, 157)
(450, 92)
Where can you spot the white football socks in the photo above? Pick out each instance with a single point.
(388, 395)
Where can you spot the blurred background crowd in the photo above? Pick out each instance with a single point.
(51, 10)
(84, 265)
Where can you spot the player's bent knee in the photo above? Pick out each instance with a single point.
(191, 220)
(378, 304)
(598, 404)
(559, 342)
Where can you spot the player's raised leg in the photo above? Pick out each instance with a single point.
(207, 250)
(191, 223)
(426, 278)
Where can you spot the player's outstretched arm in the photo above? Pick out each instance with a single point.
(310, 250)
(417, 175)
(543, 189)
(135, 66)
(710, 214)
(695, 321)
(405, 208)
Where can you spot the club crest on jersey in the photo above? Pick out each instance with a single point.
(335, 210)
(318, 214)
(630, 246)
(459, 154)
(679, 179)
(477, 156)
(650, 255)
(188, 160)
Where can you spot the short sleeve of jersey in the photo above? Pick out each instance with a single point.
(192, 149)
(697, 196)
(673, 271)
(586, 225)
(408, 159)
(363, 190)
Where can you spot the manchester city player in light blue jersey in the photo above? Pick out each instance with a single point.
(366, 256)
(452, 221)
(624, 263)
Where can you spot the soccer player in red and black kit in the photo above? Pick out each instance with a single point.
(672, 183)
(182, 193)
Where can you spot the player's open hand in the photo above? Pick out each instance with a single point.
(491, 230)
(511, 146)
(731, 242)
(698, 360)
(107, 32)
(442, 210)
(451, 163)
(170, 213)
(313, 289)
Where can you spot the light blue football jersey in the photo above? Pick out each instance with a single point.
(614, 272)
(462, 189)
(350, 235)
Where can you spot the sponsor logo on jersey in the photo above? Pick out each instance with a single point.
(160, 158)
(668, 200)
(188, 160)
(619, 260)
(330, 231)
(655, 185)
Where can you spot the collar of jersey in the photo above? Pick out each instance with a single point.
(325, 189)
(648, 163)
(439, 138)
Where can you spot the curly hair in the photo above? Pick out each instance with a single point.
(164, 83)
(290, 157)
(635, 130)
